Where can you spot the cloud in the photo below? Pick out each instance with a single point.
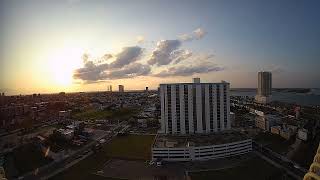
(189, 70)
(180, 55)
(90, 71)
(85, 58)
(168, 54)
(273, 68)
(162, 54)
(168, 51)
(195, 35)
(276, 68)
(186, 37)
(129, 71)
(199, 33)
(107, 56)
(126, 56)
(123, 66)
(140, 39)
(199, 63)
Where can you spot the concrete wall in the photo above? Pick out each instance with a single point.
(202, 152)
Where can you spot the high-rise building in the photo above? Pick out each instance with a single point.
(195, 108)
(147, 88)
(109, 88)
(121, 88)
(196, 80)
(264, 83)
(264, 87)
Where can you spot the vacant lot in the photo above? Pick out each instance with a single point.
(93, 114)
(132, 146)
(254, 168)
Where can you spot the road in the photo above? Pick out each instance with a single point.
(36, 126)
(56, 167)
(276, 159)
(17, 139)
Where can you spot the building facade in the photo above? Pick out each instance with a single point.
(265, 122)
(195, 108)
(194, 153)
(264, 87)
(121, 88)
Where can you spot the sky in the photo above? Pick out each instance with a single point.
(80, 45)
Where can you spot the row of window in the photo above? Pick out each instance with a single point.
(194, 114)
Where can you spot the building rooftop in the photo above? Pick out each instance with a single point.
(223, 82)
(65, 131)
(167, 141)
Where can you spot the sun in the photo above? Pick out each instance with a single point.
(62, 63)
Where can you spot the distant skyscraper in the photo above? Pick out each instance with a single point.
(196, 80)
(264, 83)
(147, 88)
(264, 87)
(194, 108)
(121, 88)
(109, 88)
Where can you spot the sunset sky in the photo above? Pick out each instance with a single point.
(78, 45)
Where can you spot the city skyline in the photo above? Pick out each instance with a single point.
(75, 45)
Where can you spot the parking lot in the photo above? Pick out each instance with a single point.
(126, 169)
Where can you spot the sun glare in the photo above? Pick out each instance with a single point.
(62, 64)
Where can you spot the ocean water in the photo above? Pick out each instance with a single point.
(306, 99)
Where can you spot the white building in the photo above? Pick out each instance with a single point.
(195, 108)
(194, 148)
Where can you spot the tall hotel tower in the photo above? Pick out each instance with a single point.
(121, 88)
(264, 87)
(194, 108)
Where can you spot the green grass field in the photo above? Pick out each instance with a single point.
(255, 168)
(92, 114)
(121, 114)
(131, 146)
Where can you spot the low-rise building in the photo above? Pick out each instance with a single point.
(303, 134)
(64, 114)
(275, 130)
(285, 134)
(288, 131)
(66, 133)
(265, 122)
(191, 148)
(232, 118)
